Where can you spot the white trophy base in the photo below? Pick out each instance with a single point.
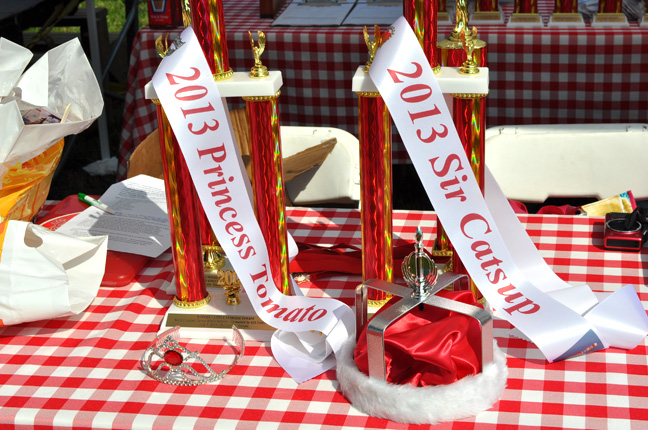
(215, 320)
(526, 20)
(615, 20)
(566, 20)
(487, 18)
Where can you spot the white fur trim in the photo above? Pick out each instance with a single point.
(421, 405)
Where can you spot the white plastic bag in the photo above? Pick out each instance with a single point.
(62, 77)
(45, 274)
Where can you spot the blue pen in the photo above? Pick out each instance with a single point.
(96, 203)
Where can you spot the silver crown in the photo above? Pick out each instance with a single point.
(419, 269)
(165, 360)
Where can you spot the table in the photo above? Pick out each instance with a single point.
(538, 76)
(84, 371)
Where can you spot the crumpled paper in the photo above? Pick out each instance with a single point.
(62, 77)
(45, 274)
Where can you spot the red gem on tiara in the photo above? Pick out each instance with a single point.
(173, 358)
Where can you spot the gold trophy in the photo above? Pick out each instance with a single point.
(259, 70)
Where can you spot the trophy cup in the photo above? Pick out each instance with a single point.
(525, 14)
(610, 14)
(566, 14)
(487, 12)
(404, 389)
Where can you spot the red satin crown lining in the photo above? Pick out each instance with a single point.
(428, 347)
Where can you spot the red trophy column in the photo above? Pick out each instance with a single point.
(184, 208)
(375, 181)
(422, 17)
(270, 205)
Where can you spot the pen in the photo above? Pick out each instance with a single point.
(96, 203)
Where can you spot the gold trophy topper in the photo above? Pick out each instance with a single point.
(162, 46)
(372, 46)
(259, 70)
(186, 13)
(461, 18)
(469, 67)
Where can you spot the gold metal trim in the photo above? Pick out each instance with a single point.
(224, 75)
(469, 96)
(368, 93)
(191, 305)
(156, 101)
(261, 98)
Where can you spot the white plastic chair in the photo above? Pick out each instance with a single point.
(337, 179)
(532, 163)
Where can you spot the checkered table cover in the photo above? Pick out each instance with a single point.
(537, 75)
(84, 371)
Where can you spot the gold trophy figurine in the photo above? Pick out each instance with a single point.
(259, 70)
(186, 13)
(461, 17)
(469, 67)
(372, 46)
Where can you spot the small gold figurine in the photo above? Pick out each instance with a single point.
(461, 18)
(161, 47)
(186, 13)
(469, 67)
(232, 294)
(372, 46)
(212, 257)
(259, 70)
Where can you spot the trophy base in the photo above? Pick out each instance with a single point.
(525, 20)
(566, 20)
(443, 17)
(215, 320)
(487, 18)
(610, 20)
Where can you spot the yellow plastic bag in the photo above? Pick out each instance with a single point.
(26, 185)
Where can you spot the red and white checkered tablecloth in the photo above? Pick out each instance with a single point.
(84, 372)
(537, 75)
